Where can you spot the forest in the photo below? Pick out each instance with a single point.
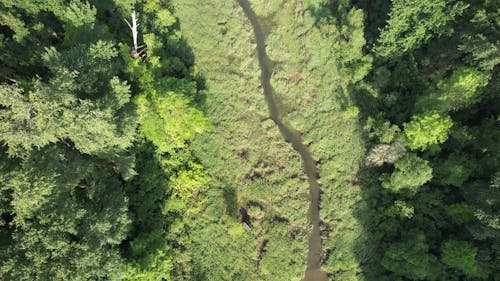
(258, 140)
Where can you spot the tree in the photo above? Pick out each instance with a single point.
(66, 121)
(461, 255)
(411, 258)
(67, 225)
(485, 200)
(426, 129)
(413, 23)
(455, 170)
(168, 120)
(480, 38)
(410, 173)
(384, 153)
(83, 105)
(460, 90)
(460, 212)
(382, 129)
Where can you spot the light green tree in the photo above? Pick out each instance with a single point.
(461, 89)
(426, 129)
(410, 173)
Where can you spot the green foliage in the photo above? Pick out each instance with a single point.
(455, 170)
(78, 14)
(169, 121)
(68, 225)
(149, 263)
(22, 129)
(170, 176)
(460, 212)
(489, 220)
(148, 257)
(280, 254)
(94, 65)
(67, 109)
(410, 173)
(426, 129)
(71, 120)
(402, 209)
(413, 23)
(411, 258)
(356, 64)
(434, 77)
(114, 168)
(495, 181)
(16, 25)
(32, 7)
(460, 90)
(462, 87)
(484, 199)
(381, 129)
(480, 41)
(460, 255)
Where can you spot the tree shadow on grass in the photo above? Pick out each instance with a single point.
(230, 200)
(375, 11)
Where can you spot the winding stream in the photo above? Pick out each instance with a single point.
(313, 272)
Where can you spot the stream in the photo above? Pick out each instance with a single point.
(313, 272)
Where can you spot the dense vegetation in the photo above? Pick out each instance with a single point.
(431, 105)
(96, 161)
(115, 168)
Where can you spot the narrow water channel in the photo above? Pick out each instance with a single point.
(313, 272)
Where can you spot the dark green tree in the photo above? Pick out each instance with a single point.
(411, 258)
(70, 218)
(461, 255)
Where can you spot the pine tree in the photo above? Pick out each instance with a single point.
(413, 23)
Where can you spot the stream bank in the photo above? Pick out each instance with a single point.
(313, 272)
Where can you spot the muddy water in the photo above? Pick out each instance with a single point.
(313, 272)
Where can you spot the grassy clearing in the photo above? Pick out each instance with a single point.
(313, 77)
(246, 157)
(249, 162)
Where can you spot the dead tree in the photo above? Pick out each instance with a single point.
(135, 51)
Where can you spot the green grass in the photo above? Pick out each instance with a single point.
(244, 154)
(311, 80)
(247, 158)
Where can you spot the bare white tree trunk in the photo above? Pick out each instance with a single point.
(133, 27)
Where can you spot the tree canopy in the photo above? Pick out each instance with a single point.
(192, 155)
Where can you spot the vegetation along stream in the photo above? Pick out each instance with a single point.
(129, 147)
(292, 136)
